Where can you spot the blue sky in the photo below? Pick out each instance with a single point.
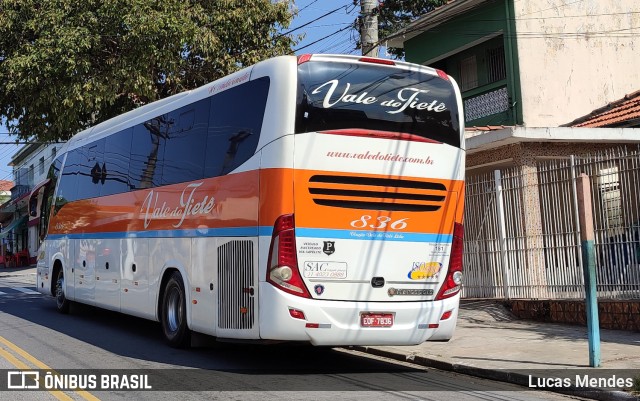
(332, 34)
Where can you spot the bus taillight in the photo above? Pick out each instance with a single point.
(453, 282)
(442, 75)
(283, 262)
(304, 58)
(375, 60)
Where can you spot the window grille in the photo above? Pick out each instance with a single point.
(496, 67)
(468, 73)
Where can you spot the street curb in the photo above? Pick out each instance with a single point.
(497, 375)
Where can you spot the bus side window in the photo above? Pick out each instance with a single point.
(235, 123)
(53, 174)
(117, 151)
(184, 155)
(90, 170)
(147, 152)
(68, 188)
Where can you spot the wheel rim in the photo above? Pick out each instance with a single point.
(60, 291)
(174, 311)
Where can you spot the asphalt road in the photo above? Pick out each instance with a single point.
(95, 347)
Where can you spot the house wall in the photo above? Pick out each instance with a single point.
(575, 56)
(443, 45)
(21, 167)
(613, 315)
(564, 58)
(40, 159)
(454, 35)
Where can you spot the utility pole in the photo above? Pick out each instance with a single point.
(369, 28)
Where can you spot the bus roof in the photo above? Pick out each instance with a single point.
(161, 106)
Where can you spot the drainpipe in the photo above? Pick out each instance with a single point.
(510, 43)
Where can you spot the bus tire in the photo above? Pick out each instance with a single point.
(174, 313)
(62, 303)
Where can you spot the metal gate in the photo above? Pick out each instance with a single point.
(522, 237)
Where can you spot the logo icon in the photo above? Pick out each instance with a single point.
(319, 289)
(23, 379)
(329, 247)
(424, 270)
(409, 291)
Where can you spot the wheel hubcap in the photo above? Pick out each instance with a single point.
(174, 310)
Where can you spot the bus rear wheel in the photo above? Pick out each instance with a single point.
(174, 313)
(62, 303)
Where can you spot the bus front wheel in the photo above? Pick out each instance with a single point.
(62, 303)
(174, 313)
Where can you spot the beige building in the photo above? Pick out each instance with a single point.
(549, 92)
(530, 63)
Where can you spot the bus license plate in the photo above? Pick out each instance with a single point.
(376, 320)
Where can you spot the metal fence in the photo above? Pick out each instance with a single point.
(522, 231)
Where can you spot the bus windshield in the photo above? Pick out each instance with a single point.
(337, 95)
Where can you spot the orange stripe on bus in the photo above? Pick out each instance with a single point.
(229, 201)
(256, 198)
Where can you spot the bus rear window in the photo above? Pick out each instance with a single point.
(334, 96)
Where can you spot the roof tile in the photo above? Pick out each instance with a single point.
(6, 185)
(613, 114)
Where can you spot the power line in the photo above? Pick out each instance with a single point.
(321, 39)
(308, 5)
(312, 21)
(29, 143)
(346, 26)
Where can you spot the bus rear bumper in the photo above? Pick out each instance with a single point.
(338, 323)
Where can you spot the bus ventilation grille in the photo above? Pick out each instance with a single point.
(377, 193)
(236, 304)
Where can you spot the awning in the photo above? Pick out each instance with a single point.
(6, 230)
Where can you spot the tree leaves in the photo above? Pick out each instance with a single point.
(66, 65)
(394, 15)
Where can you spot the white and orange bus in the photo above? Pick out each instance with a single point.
(316, 198)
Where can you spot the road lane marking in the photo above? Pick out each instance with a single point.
(40, 365)
(23, 366)
(26, 290)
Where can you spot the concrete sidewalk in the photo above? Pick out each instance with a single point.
(17, 271)
(489, 342)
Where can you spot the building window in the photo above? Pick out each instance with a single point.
(468, 73)
(609, 186)
(496, 67)
(30, 175)
(41, 166)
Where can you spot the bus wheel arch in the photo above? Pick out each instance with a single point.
(172, 309)
(58, 288)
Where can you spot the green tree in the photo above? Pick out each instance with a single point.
(394, 15)
(66, 65)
